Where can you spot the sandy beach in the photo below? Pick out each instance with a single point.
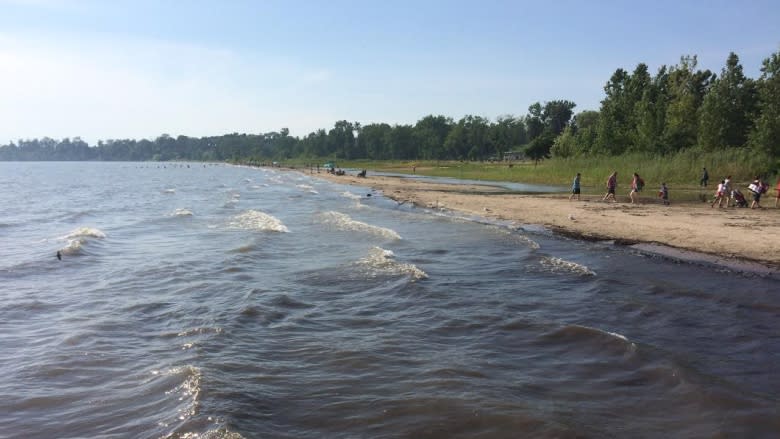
(728, 236)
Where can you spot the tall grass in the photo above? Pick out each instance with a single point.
(682, 170)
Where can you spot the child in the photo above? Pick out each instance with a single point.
(720, 194)
(663, 193)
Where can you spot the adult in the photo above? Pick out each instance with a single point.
(756, 189)
(727, 195)
(575, 188)
(611, 187)
(636, 186)
(705, 177)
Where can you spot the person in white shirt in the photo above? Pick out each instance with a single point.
(719, 194)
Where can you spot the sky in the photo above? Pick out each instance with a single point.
(116, 69)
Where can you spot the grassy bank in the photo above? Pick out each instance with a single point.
(682, 170)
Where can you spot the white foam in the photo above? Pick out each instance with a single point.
(344, 222)
(85, 232)
(350, 195)
(514, 236)
(307, 188)
(74, 246)
(380, 261)
(256, 220)
(620, 336)
(181, 212)
(78, 237)
(560, 265)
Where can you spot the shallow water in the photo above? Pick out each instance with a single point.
(235, 302)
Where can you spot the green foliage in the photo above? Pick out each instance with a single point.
(680, 109)
(765, 136)
(728, 108)
(680, 170)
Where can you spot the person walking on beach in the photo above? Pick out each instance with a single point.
(719, 194)
(575, 188)
(636, 186)
(757, 188)
(727, 190)
(663, 193)
(611, 187)
(705, 177)
(777, 199)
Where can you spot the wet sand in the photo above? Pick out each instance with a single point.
(727, 234)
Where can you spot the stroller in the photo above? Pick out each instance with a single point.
(739, 199)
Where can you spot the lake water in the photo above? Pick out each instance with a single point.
(226, 302)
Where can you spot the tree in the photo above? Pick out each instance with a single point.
(430, 133)
(686, 88)
(556, 115)
(765, 135)
(728, 108)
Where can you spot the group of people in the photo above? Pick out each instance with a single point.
(637, 184)
(725, 191)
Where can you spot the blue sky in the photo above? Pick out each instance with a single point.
(138, 69)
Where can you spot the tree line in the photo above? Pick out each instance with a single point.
(679, 107)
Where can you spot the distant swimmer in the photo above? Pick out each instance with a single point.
(59, 255)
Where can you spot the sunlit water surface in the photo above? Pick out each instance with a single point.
(224, 302)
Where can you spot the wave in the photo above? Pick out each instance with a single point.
(342, 221)
(558, 265)
(188, 390)
(78, 238)
(381, 262)
(580, 334)
(514, 236)
(169, 191)
(181, 212)
(351, 196)
(256, 220)
(85, 232)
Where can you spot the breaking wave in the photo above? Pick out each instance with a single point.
(351, 196)
(78, 238)
(256, 220)
(342, 221)
(85, 232)
(558, 265)
(382, 262)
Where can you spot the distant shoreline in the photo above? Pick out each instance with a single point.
(742, 239)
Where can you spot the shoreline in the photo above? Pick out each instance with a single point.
(743, 239)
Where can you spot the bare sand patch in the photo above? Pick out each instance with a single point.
(728, 233)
